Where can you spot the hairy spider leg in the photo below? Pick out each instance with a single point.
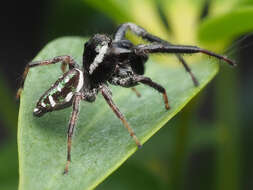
(164, 48)
(133, 81)
(152, 84)
(108, 97)
(72, 123)
(136, 92)
(188, 69)
(139, 31)
(65, 59)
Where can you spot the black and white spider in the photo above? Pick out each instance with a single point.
(115, 61)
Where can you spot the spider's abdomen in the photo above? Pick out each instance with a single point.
(60, 94)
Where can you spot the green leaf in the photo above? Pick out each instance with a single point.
(101, 143)
(141, 178)
(226, 26)
(117, 10)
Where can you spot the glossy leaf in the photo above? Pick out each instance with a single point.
(120, 179)
(101, 143)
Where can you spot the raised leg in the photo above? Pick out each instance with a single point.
(158, 87)
(65, 59)
(72, 123)
(139, 31)
(108, 97)
(165, 48)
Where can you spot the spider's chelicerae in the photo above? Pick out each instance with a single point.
(107, 60)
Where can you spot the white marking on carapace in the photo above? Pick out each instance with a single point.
(35, 110)
(68, 97)
(66, 79)
(51, 100)
(43, 104)
(59, 88)
(99, 58)
(80, 82)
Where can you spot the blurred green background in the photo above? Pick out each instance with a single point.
(207, 145)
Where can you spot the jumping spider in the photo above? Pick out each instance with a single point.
(105, 60)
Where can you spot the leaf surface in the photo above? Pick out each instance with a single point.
(101, 143)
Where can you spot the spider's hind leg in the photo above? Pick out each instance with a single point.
(65, 59)
(139, 31)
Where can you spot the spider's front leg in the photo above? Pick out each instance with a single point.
(182, 49)
(72, 122)
(65, 59)
(139, 31)
(108, 97)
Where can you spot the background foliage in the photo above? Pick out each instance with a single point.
(207, 146)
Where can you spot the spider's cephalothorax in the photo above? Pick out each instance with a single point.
(106, 61)
(96, 61)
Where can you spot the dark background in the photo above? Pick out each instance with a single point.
(26, 26)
